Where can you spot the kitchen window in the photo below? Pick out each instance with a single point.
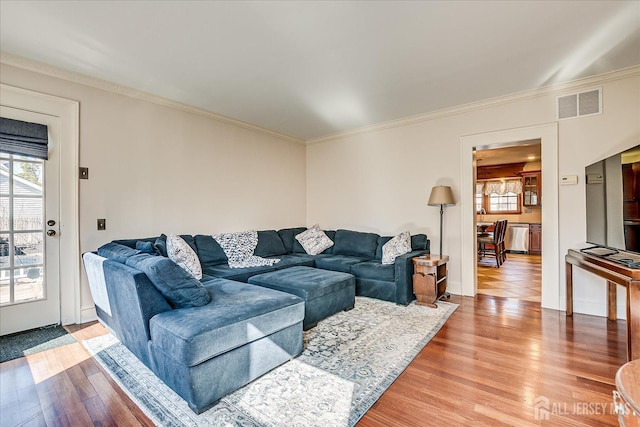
(499, 197)
(503, 203)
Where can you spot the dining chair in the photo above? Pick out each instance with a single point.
(493, 245)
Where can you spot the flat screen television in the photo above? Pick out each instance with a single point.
(613, 204)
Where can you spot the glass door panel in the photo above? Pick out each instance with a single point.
(21, 229)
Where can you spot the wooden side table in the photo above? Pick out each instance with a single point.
(430, 279)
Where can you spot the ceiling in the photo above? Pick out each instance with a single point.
(521, 152)
(308, 69)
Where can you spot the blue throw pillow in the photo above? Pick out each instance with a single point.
(144, 247)
(117, 252)
(178, 287)
(161, 245)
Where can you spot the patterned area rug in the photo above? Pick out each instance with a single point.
(348, 361)
(33, 341)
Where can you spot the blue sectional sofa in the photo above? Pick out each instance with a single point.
(353, 252)
(236, 331)
(202, 352)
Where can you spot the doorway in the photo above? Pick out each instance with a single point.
(29, 253)
(553, 295)
(508, 183)
(40, 265)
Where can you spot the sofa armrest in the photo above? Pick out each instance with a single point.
(134, 301)
(404, 276)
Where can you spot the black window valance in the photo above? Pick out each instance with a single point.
(23, 138)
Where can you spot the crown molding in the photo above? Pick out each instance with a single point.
(83, 79)
(559, 89)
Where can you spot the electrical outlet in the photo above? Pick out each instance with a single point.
(102, 224)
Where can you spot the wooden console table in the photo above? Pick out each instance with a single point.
(615, 274)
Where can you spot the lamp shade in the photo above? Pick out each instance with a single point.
(441, 195)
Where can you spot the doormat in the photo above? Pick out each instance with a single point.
(33, 341)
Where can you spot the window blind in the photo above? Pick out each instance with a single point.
(23, 138)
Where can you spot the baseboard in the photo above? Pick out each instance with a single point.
(596, 308)
(88, 315)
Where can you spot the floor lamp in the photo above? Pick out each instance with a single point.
(441, 195)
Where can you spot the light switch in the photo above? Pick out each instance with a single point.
(102, 224)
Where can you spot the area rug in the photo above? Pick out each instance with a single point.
(348, 361)
(33, 341)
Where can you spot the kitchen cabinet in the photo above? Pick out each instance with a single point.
(535, 239)
(531, 188)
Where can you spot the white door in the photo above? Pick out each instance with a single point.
(29, 244)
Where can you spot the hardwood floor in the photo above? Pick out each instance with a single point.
(495, 358)
(519, 277)
(491, 363)
(64, 386)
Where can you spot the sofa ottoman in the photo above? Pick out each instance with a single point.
(324, 292)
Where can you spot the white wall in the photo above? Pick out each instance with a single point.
(155, 169)
(379, 179)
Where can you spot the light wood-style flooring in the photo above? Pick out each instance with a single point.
(519, 277)
(490, 364)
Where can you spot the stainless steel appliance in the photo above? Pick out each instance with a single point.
(516, 238)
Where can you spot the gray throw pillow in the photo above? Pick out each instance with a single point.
(399, 245)
(179, 251)
(314, 241)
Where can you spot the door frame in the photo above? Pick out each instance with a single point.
(548, 135)
(67, 112)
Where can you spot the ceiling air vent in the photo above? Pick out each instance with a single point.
(580, 104)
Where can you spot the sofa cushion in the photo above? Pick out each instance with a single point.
(419, 242)
(331, 234)
(178, 287)
(181, 253)
(237, 314)
(238, 274)
(287, 235)
(305, 282)
(314, 241)
(374, 270)
(382, 240)
(269, 244)
(399, 245)
(209, 251)
(133, 242)
(355, 243)
(291, 260)
(338, 262)
(117, 252)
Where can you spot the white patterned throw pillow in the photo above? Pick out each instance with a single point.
(182, 254)
(399, 245)
(314, 241)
